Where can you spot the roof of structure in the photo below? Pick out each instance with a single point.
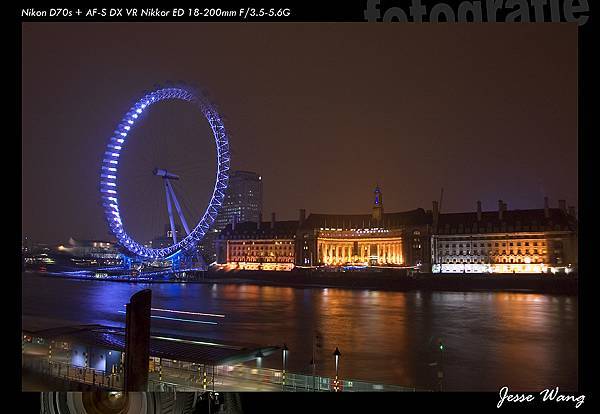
(180, 348)
(519, 220)
(281, 229)
(361, 221)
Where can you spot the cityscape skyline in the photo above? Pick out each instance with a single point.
(323, 142)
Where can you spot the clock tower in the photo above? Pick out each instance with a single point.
(378, 205)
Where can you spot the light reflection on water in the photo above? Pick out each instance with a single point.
(525, 341)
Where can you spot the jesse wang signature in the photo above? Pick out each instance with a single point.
(547, 395)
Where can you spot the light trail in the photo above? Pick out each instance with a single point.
(216, 315)
(179, 319)
(187, 341)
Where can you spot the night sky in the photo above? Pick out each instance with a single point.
(323, 112)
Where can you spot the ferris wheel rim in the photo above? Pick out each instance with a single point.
(110, 168)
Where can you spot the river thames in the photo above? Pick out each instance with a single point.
(491, 339)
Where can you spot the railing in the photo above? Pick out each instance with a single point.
(70, 372)
(183, 377)
(300, 382)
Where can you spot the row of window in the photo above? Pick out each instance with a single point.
(481, 261)
(491, 252)
(261, 248)
(489, 244)
(495, 229)
(253, 259)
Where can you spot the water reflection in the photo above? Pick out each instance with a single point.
(525, 341)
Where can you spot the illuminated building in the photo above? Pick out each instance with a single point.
(91, 249)
(243, 200)
(258, 246)
(243, 203)
(503, 241)
(91, 252)
(376, 239)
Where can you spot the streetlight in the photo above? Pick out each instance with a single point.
(285, 355)
(337, 354)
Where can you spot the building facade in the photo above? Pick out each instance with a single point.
(333, 240)
(503, 241)
(258, 246)
(243, 200)
(378, 239)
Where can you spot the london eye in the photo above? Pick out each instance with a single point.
(112, 180)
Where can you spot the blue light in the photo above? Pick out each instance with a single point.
(218, 194)
(179, 319)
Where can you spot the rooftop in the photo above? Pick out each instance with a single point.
(361, 221)
(180, 348)
(521, 220)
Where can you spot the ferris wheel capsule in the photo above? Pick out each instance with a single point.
(109, 189)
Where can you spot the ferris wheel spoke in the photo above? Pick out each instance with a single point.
(159, 154)
(178, 208)
(191, 212)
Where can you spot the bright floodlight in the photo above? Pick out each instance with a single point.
(110, 165)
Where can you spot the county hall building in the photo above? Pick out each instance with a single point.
(500, 241)
(505, 241)
(377, 239)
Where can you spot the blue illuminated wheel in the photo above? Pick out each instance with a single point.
(110, 169)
